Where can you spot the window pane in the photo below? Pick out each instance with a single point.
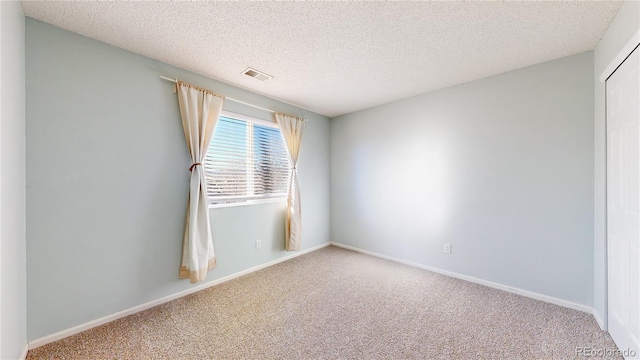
(272, 162)
(246, 161)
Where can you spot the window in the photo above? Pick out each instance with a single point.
(246, 160)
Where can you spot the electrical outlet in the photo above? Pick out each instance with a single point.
(258, 244)
(447, 248)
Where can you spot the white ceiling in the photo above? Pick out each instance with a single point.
(338, 57)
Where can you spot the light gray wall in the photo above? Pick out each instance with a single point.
(13, 313)
(107, 182)
(501, 168)
(623, 26)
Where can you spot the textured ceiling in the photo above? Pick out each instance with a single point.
(338, 57)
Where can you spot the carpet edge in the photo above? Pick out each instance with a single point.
(120, 314)
(491, 284)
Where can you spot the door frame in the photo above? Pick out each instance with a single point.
(620, 58)
(622, 55)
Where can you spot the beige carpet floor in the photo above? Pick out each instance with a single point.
(338, 304)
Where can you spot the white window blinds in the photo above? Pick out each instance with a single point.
(246, 161)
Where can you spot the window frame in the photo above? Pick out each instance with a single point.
(249, 200)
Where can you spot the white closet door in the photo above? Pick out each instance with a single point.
(623, 200)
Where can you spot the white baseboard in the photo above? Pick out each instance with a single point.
(601, 323)
(23, 356)
(530, 294)
(103, 320)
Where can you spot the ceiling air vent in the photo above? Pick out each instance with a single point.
(257, 74)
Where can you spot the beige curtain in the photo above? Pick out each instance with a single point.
(199, 109)
(291, 128)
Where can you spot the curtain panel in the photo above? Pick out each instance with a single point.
(199, 109)
(291, 128)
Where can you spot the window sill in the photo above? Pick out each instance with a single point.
(249, 202)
